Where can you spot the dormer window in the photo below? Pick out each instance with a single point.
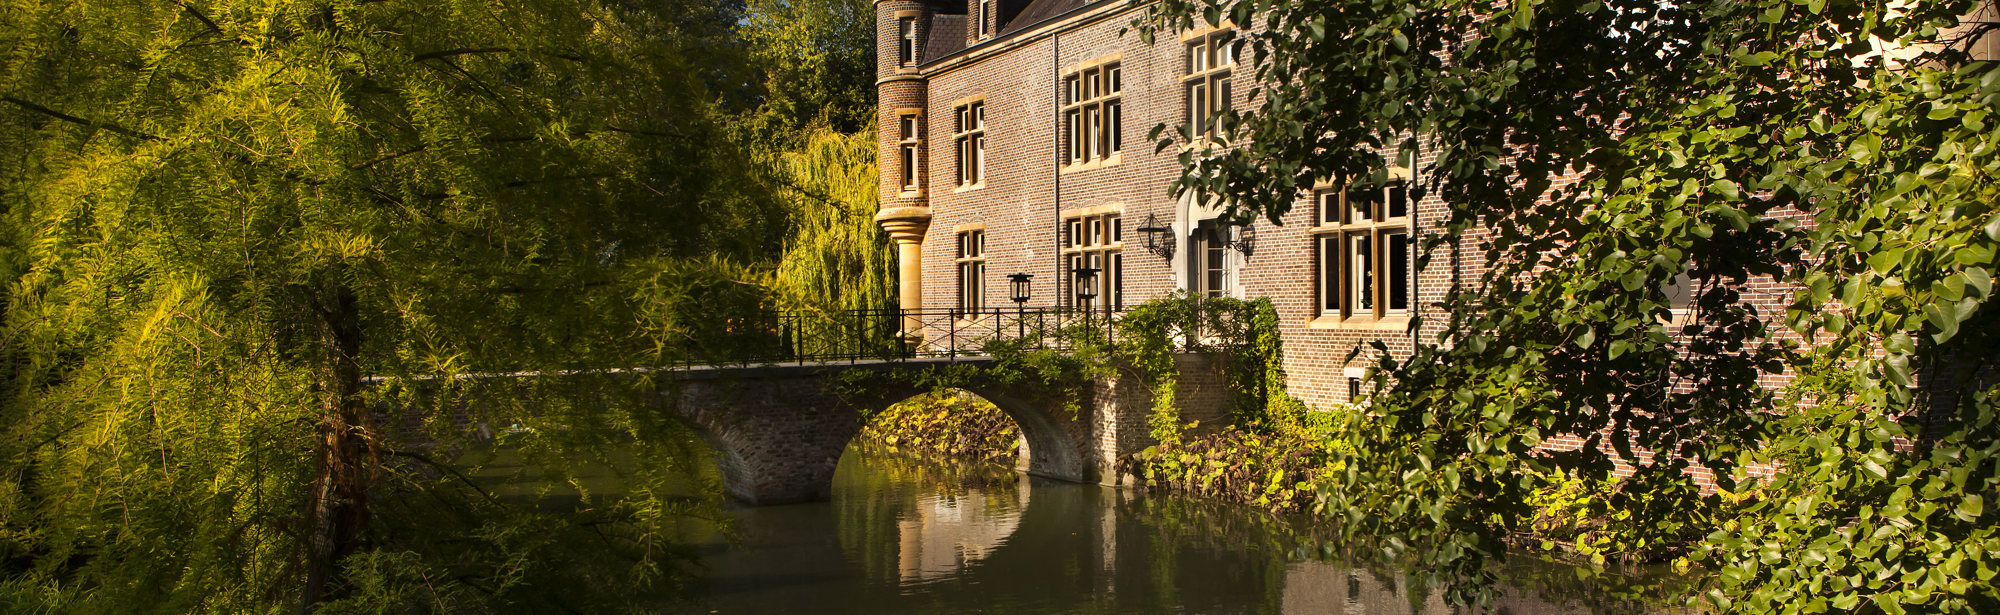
(985, 17)
(907, 49)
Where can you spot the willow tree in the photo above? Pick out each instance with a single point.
(1593, 152)
(836, 258)
(249, 230)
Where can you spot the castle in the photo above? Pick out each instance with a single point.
(1014, 141)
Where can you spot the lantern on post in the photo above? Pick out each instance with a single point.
(1086, 285)
(1019, 284)
(1086, 290)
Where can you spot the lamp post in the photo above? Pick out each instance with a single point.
(1086, 290)
(1086, 286)
(1019, 284)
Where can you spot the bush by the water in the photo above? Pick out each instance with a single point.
(1270, 471)
(949, 424)
(1288, 470)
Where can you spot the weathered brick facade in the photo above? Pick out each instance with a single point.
(1027, 190)
(1016, 69)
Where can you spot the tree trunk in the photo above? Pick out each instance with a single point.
(337, 505)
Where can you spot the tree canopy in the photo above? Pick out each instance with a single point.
(257, 242)
(1594, 151)
(817, 63)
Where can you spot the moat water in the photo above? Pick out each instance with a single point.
(904, 536)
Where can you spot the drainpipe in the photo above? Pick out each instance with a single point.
(1055, 67)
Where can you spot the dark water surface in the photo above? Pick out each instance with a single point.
(902, 536)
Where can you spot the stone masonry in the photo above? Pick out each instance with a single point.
(779, 430)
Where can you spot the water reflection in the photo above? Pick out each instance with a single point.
(906, 537)
(946, 532)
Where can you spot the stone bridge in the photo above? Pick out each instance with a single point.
(779, 429)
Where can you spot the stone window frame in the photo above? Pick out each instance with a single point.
(1345, 296)
(907, 48)
(1208, 57)
(910, 148)
(970, 262)
(1093, 114)
(1094, 237)
(969, 142)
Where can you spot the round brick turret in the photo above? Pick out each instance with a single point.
(904, 212)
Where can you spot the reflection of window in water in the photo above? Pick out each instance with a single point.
(944, 533)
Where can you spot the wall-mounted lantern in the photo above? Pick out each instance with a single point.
(1241, 238)
(1159, 238)
(1244, 238)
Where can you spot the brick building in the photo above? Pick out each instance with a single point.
(1014, 140)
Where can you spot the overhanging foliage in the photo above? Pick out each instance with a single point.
(1593, 151)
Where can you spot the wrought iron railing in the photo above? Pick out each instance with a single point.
(804, 336)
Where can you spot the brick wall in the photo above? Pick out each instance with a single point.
(1027, 192)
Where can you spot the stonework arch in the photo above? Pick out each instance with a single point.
(779, 431)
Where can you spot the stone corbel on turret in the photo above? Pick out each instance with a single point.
(907, 225)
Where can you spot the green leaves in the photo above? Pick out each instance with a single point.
(1886, 262)
(347, 198)
(1970, 508)
(1753, 147)
(1584, 339)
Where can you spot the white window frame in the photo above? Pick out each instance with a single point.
(1095, 240)
(1210, 270)
(906, 45)
(969, 141)
(1353, 244)
(1093, 115)
(971, 265)
(1207, 61)
(910, 147)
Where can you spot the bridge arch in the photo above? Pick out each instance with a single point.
(1050, 445)
(779, 431)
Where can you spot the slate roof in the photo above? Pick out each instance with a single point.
(1041, 10)
(947, 36)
